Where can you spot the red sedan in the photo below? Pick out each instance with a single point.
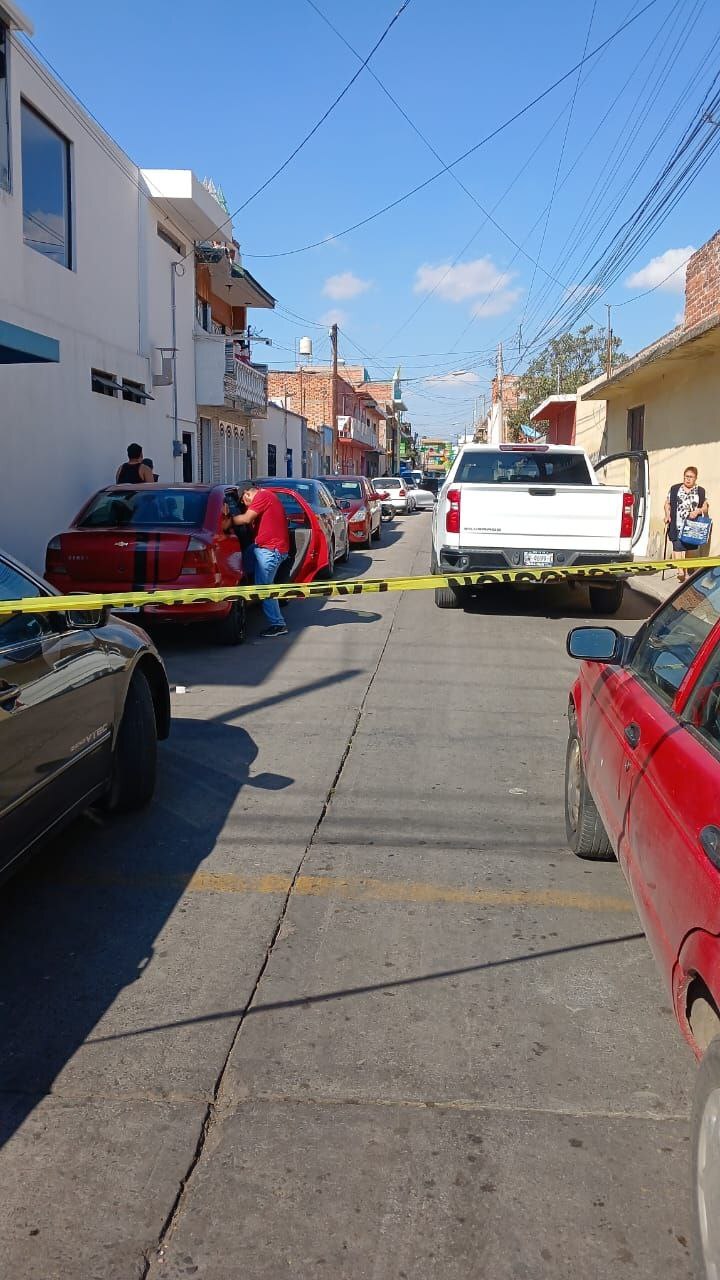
(356, 496)
(171, 536)
(643, 784)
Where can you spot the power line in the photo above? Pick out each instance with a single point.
(393, 204)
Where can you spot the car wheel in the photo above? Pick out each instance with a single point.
(584, 828)
(134, 762)
(705, 1166)
(607, 599)
(449, 597)
(232, 628)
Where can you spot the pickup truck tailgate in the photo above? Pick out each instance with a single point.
(581, 517)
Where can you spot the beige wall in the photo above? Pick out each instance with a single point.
(682, 428)
(590, 423)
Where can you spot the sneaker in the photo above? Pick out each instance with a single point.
(274, 631)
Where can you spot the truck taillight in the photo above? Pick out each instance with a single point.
(628, 509)
(198, 558)
(452, 515)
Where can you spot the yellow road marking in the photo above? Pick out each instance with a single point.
(359, 889)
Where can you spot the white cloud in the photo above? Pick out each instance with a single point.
(454, 378)
(470, 280)
(334, 316)
(344, 286)
(500, 302)
(666, 272)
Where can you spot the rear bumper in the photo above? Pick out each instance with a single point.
(477, 559)
(202, 611)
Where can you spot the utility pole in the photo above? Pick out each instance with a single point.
(558, 379)
(334, 396)
(608, 354)
(501, 406)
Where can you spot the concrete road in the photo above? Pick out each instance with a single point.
(340, 1003)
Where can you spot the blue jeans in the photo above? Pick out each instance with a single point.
(264, 564)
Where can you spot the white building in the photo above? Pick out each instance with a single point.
(277, 442)
(101, 316)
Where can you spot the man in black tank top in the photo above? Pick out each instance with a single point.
(134, 470)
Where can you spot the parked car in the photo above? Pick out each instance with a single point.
(316, 497)
(83, 700)
(536, 506)
(424, 499)
(396, 491)
(170, 536)
(642, 784)
(356, 496)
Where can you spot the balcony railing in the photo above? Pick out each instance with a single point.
(358, 430)
(245, 385)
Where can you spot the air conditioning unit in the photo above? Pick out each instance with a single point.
(345, 427)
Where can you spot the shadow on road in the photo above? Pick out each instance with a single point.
(554, 602)
(345, 993)
(68, 947)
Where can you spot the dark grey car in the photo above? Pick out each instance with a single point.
(83, 700)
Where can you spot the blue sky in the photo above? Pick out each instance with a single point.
(230, 91)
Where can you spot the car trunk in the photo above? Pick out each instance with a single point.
(124, 556)
(584, 517)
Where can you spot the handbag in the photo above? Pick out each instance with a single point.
(695, 533)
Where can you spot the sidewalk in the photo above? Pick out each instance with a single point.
(655, 585)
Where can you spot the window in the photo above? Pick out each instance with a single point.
(106, 384)
(4, 111)
(344, 488)
(666, 647)
(46, 188)
(515, 466)
(288, 462)
(636, 427)
(704, 708)
(170, 240)
(20, 628)
(128, 508)
(134, 392)
(272, 460)
(203, 314)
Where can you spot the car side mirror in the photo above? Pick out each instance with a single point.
(596, 644)
(88, 619)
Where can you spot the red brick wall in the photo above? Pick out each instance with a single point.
(310, 394)
(702, 283)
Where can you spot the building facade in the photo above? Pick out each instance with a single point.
(308, 389)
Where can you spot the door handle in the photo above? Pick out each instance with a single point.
(8, 692)
(710, 841)
(632, 733)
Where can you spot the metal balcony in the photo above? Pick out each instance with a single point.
(357, 430)
(246, 387)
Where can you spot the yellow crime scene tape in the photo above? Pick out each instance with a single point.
(341, 589)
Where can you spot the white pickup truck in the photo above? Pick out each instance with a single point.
(515, 506)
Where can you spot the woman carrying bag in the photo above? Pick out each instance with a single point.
(686, 518)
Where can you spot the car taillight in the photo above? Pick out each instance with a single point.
(53, 557)
(199, 557)
(452, 516)
(626, 523)
(402, 493)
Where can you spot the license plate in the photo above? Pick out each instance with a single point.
(538, 559)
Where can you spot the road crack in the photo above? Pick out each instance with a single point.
(213, 1115)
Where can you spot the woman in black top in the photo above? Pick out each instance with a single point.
(684, 501)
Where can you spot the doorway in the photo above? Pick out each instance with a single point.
(188, 440)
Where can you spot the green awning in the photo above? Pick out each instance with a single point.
(24, 346)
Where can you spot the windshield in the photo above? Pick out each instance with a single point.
(518, 467)
(389, 483)
(343, 488)
(124, 508)
(308, 488)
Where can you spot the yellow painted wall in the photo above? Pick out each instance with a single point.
(682, 428)
(590, 422)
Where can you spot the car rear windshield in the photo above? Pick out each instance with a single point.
(389, 483)
(343, 488)
(123, 508)
(518, 467)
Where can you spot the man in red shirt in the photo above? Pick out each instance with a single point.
(265, 512)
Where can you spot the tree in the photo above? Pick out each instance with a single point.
(579, 357)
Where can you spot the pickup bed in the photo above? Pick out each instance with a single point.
(514, 506)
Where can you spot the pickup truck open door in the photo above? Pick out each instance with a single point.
(638, 481)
